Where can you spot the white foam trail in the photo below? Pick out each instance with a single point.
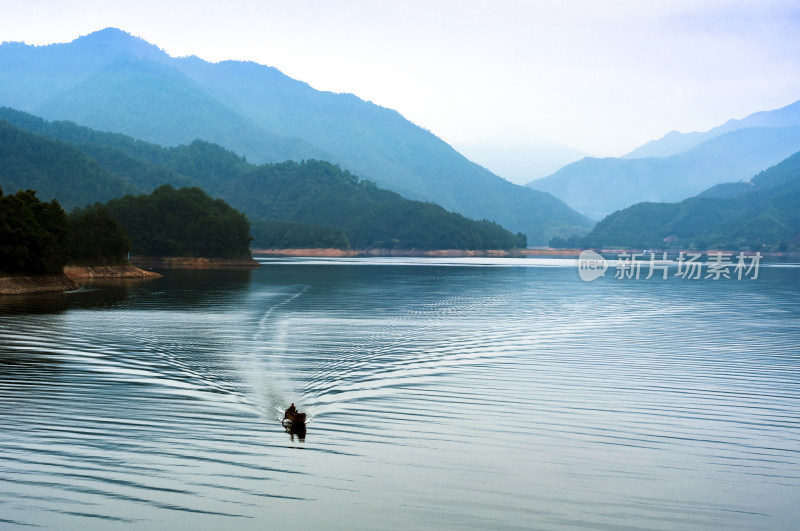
(266, 373)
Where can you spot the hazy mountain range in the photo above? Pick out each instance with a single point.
(678, 165)
(674, 142)
(79, 166)
(761, 214)
(112, 81)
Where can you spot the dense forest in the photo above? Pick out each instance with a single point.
(762, 214)
(185, 222)
(54, 169)
(312, 193)
(34, 235)
(321, 193)
(96, 237)
(38, 238)
(294, 235)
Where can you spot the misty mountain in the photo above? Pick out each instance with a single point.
(597, 187)
(765, 215)
(176, 111)
(78, 166)
(674, 142)
(112, 81)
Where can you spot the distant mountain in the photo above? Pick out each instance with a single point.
(520, 161)
(597, 187)
(765, 216)
(670, 144)
(75, 166)
(155, 102)
(112, 81)
(674, 142)
(727, 189)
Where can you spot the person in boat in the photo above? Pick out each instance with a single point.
(294, 416)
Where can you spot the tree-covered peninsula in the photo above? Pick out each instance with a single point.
(184, 222)
(38, 238)
(40, 243)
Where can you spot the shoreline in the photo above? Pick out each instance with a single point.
(22, 285)
(188, 262)
(71, 279)
(341, 253)
(74, 275)
(78, 273)
(498, 253)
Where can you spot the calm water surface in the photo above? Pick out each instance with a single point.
(446, 394)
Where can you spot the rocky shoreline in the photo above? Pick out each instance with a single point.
(71, 279)
(19, 285)
(79, 273)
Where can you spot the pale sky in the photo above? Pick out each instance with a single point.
(600, 76)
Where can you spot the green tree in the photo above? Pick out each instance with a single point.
(184, 222)
(294, 235)
(34, 235)
(96, 237)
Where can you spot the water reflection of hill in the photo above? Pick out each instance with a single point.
(179, 289)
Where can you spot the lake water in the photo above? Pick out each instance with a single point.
(442, 394)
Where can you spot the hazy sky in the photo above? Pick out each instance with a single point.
(600, 76)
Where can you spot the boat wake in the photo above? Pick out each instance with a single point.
(265, 370)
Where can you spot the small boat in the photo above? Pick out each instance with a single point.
(293, 416)
(294, 422)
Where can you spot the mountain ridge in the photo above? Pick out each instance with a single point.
(676, 142)
(259, 112)
(763, 216)
(598, 187)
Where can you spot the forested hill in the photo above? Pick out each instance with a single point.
(312, 192)
(762, 214)
(54, 169)
(113, 81)
(322, 194)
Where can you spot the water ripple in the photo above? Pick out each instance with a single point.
(449, 394)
